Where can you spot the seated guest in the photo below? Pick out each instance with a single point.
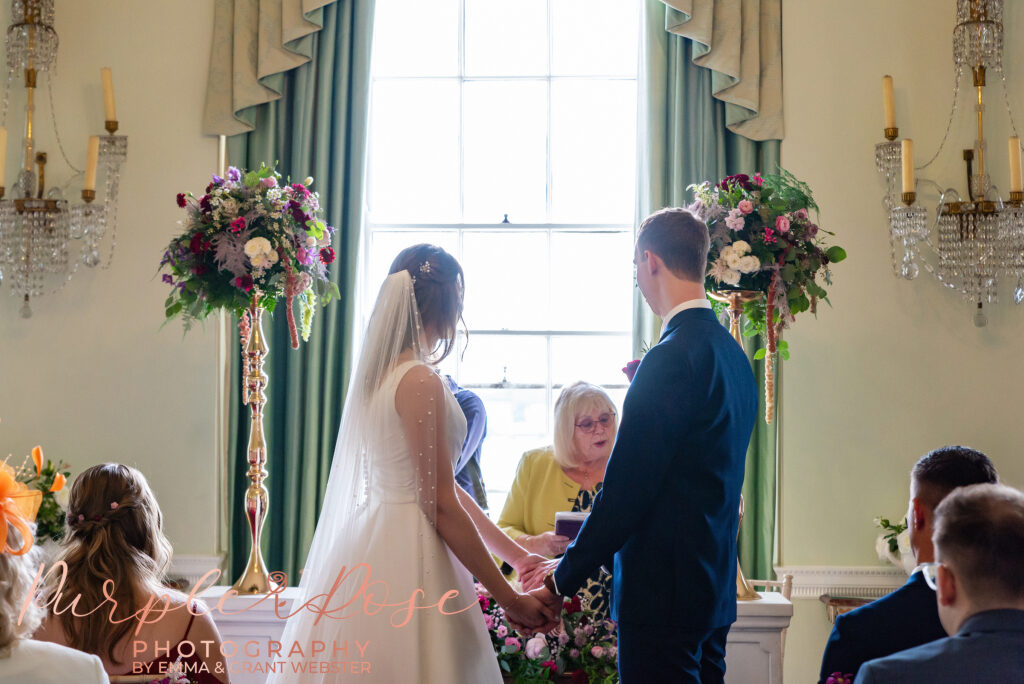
(907, 617)
(23, 660)
(979, 554)
(468, 474)
(565, 477)
(115, 532)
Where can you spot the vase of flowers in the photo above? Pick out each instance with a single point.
(250, 240)
(765, 245)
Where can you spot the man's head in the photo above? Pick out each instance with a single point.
(671, 258)
(932, 478)
(979, 543)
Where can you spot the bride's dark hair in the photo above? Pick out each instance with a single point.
(439, 288)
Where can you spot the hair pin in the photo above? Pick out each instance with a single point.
(425, 267)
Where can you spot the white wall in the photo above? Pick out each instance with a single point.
(91, 376)
(896, 368)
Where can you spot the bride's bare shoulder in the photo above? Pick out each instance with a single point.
(419, 384)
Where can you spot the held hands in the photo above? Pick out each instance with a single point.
(528, 614)
(528, 565)
(546, 544)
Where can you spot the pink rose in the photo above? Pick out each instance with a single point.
(502, 631)
(801, 213)
(746, 206)
(513, 644)
(269, 182)
(597, 651)
(535, 646)
(782, 224)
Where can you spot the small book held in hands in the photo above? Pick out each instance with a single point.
(568, 523)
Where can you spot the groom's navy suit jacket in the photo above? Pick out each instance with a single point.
(669, 507)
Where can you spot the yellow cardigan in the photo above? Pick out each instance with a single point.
(539, 491)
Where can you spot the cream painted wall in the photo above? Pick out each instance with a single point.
(896, 368)
(91, 376)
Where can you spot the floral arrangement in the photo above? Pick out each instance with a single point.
(839, 678)
(763, 239)
(583, 648)
(893, 544)
(250, 235)
(51, 479)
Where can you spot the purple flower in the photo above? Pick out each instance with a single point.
(801, 213)
(217, 180)
(167, 278)
(574, 653)
(304, 256)
(234, 174)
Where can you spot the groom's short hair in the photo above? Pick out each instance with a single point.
(680, 239)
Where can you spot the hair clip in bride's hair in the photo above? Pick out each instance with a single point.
(425, 267)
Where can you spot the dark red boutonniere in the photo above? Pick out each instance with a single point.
(630, 368)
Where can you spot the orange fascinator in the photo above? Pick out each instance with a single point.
(18, 506)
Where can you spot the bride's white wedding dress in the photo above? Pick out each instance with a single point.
(389, 530)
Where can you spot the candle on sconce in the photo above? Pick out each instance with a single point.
(888, 102)
(907, 149)
(90, 162)
(1014, 152)
(108, 94)
(3, 153)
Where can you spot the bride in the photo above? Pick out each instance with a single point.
(387, 588)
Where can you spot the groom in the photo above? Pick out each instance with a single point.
(668, 510)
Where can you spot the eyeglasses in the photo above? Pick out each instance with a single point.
(588, 425)
(931, 574)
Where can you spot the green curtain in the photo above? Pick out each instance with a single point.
(317, 128)
(683, 140)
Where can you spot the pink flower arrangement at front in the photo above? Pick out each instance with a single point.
(250, 236)
(583, 647)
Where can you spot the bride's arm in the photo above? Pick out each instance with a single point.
(420, 403)
(497, 541)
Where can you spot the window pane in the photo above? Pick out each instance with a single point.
(385, 246)
(594, 37)
(506, 38)
(506, 282)
(593, 150)
(520, 359)
(416, 38)
(597, 292)
(414, 154)
(505, 158)
(597, 360)
(517, 420)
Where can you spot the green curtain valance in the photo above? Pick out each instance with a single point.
(740, 41)
(254, 43)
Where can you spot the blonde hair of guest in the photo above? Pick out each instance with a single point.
(575, 399)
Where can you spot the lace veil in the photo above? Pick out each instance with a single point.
(392, 337)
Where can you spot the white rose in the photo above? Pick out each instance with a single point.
(749, 264)
(731, 277)
(62, 497)
(535, 646)
(310, 242)
(732, 260)
(257, 245)
(259, 261)
(308, 181)
(741, 247)
(271, 257)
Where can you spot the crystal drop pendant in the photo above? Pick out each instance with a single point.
(1018, 294)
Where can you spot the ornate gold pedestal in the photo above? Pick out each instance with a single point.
(736, 299)
(255, 579)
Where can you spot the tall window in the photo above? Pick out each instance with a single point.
(504, 131)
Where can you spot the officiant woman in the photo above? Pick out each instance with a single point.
(564, 477)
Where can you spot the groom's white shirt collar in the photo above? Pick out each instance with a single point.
(701, 303)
